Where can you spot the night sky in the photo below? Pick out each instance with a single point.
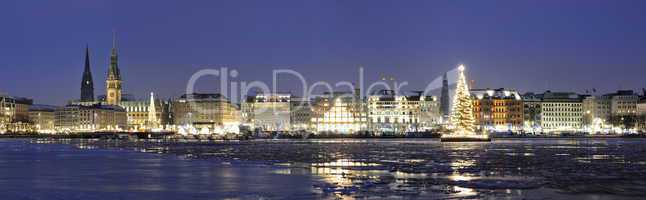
(524, 45)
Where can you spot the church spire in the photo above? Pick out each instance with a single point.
(113, 71)
(113, 83)
(87, 84)
(444, 98)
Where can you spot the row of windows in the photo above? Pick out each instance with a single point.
(562, 109)
(561, 119)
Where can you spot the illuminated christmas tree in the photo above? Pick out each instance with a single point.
(462, 119)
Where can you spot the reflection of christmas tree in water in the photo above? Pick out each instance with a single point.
(462, 119)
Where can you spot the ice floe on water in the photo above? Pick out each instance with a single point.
(427, 168)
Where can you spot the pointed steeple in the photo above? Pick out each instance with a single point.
(444, 98)
(87, 84)
(113, 71)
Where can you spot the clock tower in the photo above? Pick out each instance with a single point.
(113, 83)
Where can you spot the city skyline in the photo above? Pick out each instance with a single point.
(549, 55)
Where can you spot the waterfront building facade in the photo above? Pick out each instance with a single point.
(205, 110)
(641, 106)
(623, 103)
(641, 113)
(499, 110)
(429, 116)
(270, 112)
(339, 113)
(390, 113)
(20, 122)
(140, 114)
(561, 112)
(78, 118)
(397, 114)
(7, 110)
(301, 114)
(43, 118)
(532, 112)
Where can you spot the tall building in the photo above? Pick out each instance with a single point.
(498, 109)
(445, 100)
(113, 83)
(87, 84)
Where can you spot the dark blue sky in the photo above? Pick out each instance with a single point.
(524, 45)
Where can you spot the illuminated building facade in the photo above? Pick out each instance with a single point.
(301, 114)
(641, 106)
(561, 112)
(77, 118)
(339, 113)
(429, 112)
(498, 110)
(270, 112)
(21, 113)
(20, 121)
(641, 113)
(7, 109)
(201, 110)
(43, 118)
(397, 114)
(623, 103)
(139, 113)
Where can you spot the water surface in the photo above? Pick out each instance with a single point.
(340, 168)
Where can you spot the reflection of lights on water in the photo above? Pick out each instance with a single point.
(462, 164)
(460, 177)
(345, 163)
(404, 175)
(340, 172)
(282, 171)
(588, 159)
(465, 191)
(333, 175)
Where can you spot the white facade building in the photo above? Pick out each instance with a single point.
(561, 112)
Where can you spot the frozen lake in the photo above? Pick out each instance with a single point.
(329, 169)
